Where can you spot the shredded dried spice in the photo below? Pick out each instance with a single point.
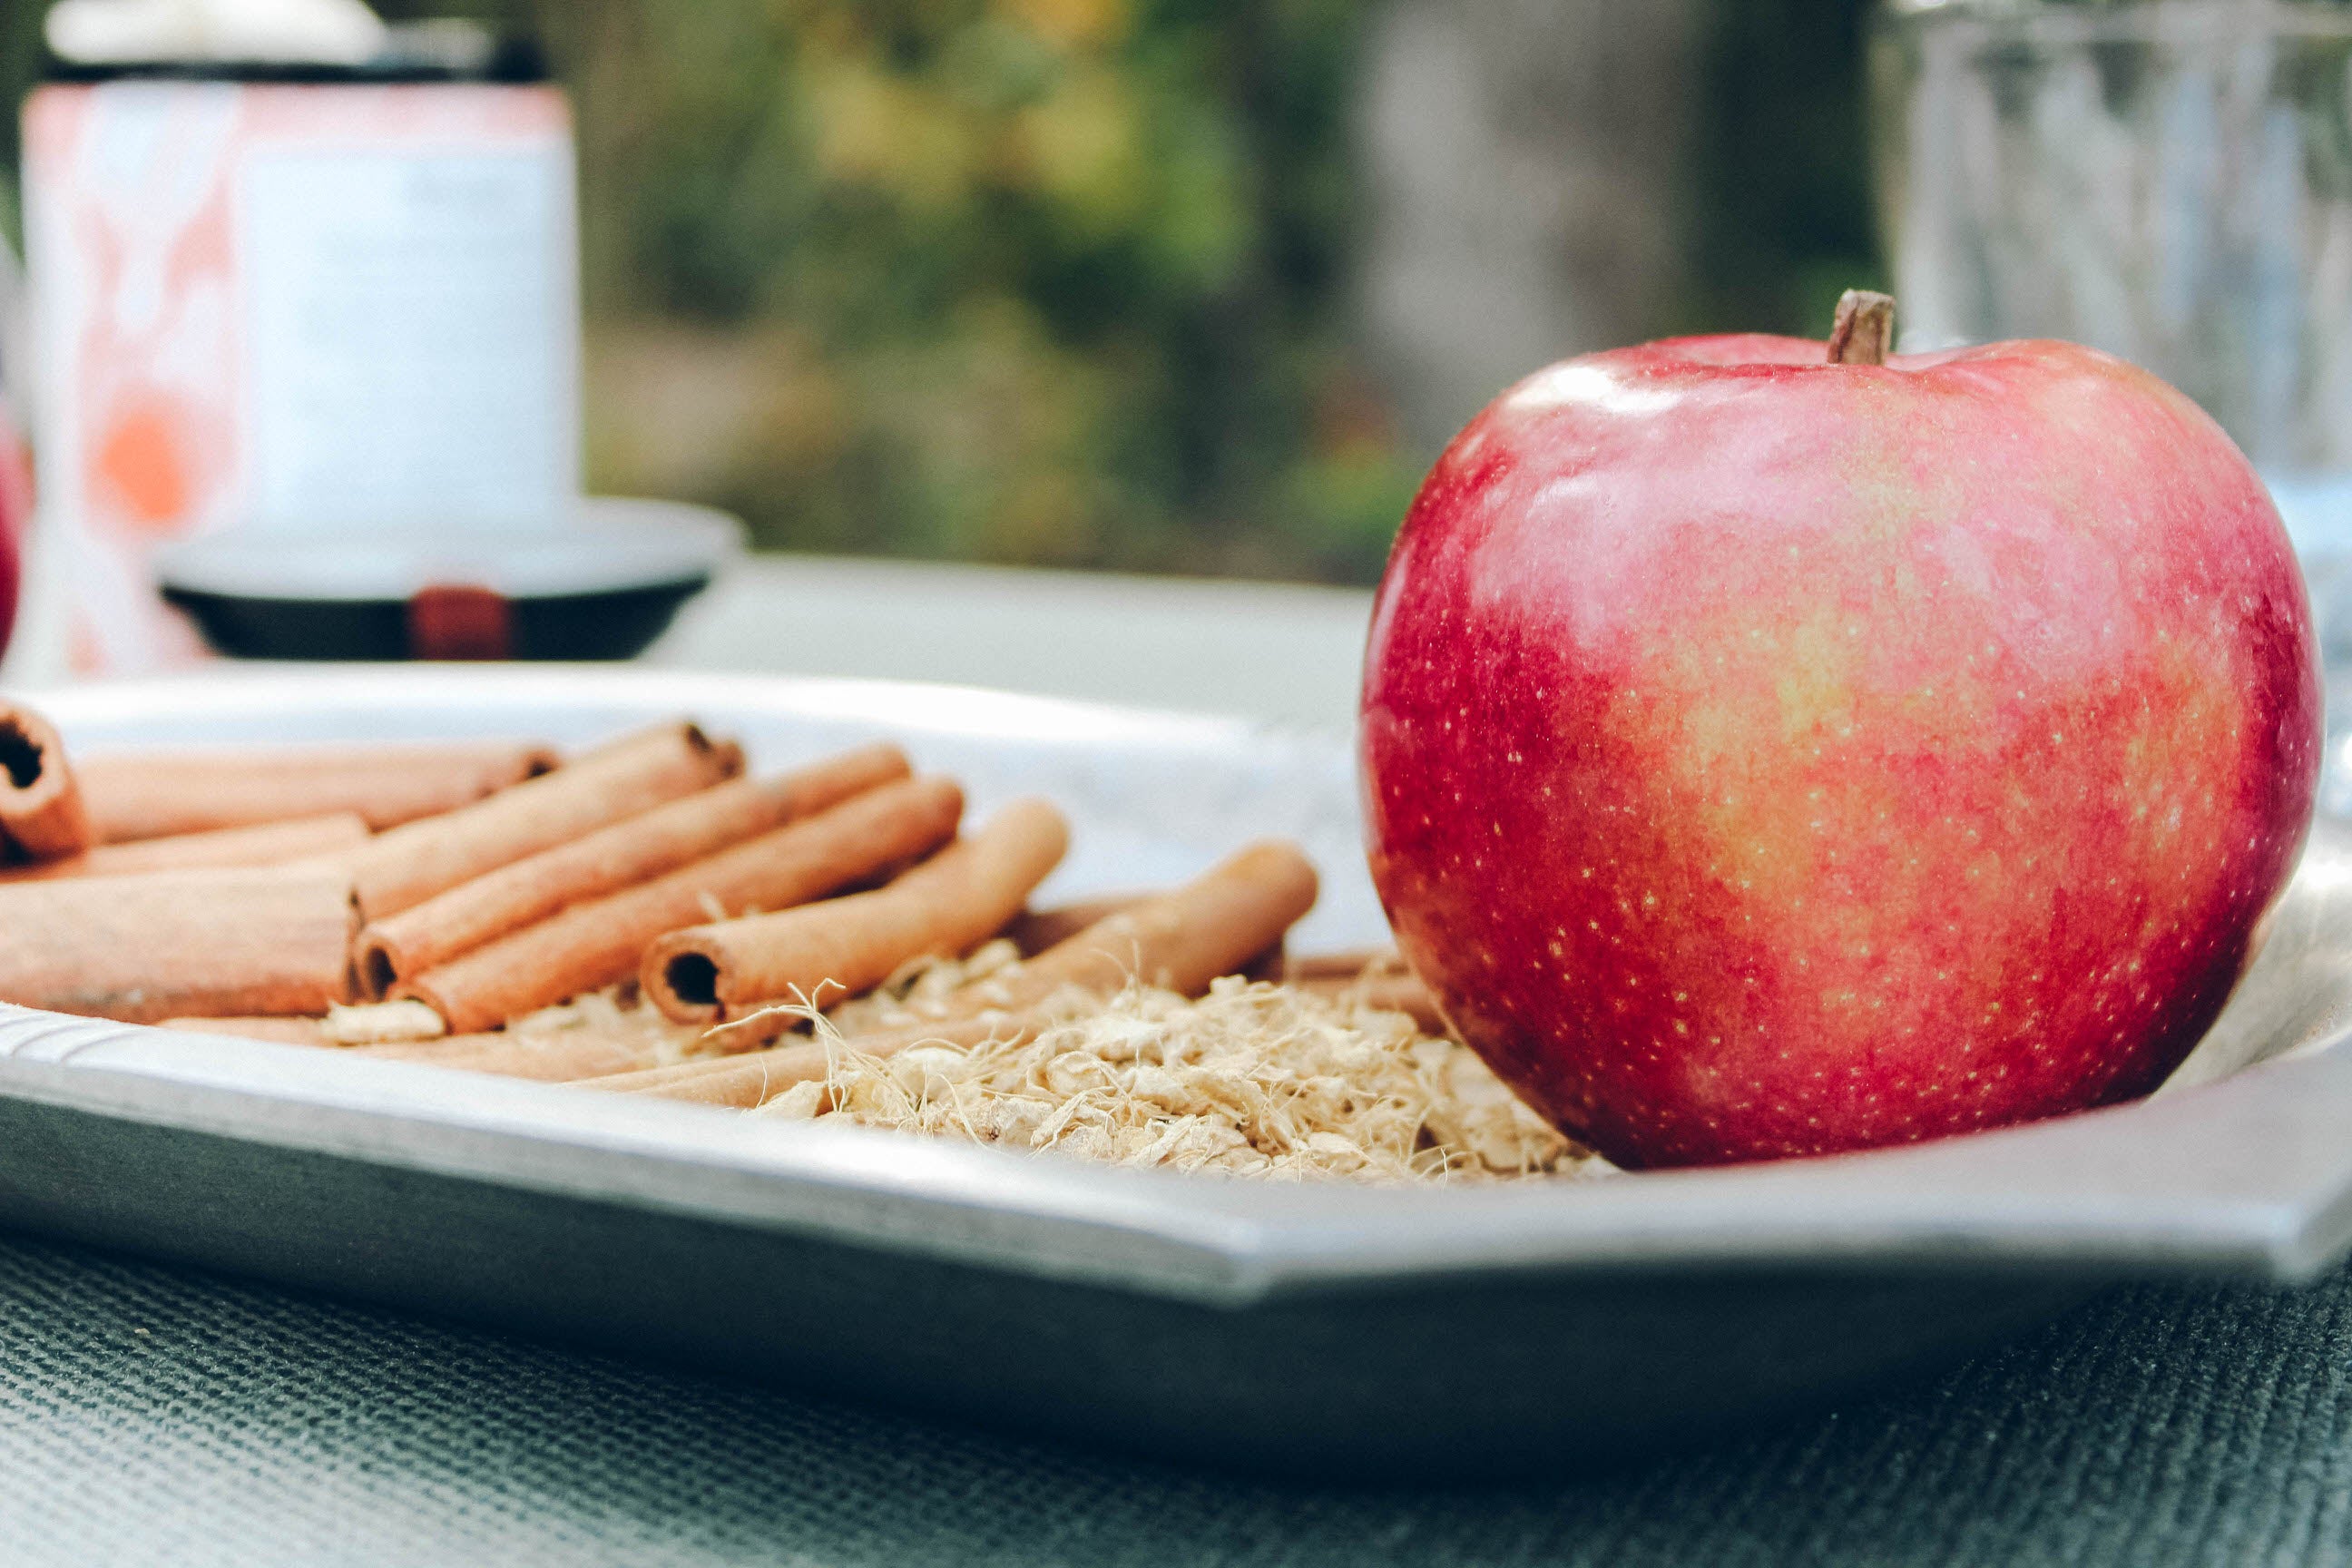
(1255, 1079)
(618, 1014)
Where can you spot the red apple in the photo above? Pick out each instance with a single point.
(1769, 752)
(16, 520)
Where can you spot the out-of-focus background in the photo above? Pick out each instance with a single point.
(1164, 284)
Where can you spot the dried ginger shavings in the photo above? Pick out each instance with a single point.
(1253, 1079)
(620, 1015)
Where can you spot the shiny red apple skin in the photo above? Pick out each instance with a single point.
(1768, 757)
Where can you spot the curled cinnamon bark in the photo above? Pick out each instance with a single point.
(554, 1059)
(177, 944)
(628, 852)
(1181, 939)
(276, 1031)
(1035, 931)
(599, 942)
(42, 813)
(405, 867)
(264, 843)
(165, 793)
(843, 947)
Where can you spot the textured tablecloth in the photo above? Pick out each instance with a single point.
(150, 1415)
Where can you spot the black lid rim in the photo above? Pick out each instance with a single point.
(513, 62)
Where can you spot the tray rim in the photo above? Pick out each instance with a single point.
(2244, 1176)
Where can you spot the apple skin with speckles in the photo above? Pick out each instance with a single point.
(1766, 756)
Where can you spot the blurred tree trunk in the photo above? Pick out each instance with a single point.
(1524, 162)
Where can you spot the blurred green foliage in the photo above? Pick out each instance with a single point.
(1059, 280)
(1781, 219)
(1062, 281)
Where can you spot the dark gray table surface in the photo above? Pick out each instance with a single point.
(151, 1415)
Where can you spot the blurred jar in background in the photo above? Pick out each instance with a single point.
(318, 286)
(2167, 180)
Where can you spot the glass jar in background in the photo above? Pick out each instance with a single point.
(2167, 180)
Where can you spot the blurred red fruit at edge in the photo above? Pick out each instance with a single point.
(1765, 756)
(16, 520)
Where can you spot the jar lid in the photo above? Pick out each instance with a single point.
(441, 50)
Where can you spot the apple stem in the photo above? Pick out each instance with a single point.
(1864, 329)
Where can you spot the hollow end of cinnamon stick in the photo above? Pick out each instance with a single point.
(42, 813)
(22, 756)
(693, 979)
(379, 971)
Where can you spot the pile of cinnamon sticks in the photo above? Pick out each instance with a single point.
(257, 891)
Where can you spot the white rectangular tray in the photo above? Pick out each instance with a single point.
(1323, 1328)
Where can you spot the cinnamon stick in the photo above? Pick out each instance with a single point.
(278, 1031)
(598, 942)
(550, 1058)
(264, 843)
(752, 1078)
(948, 905)
(1346, 965)
(626, 853)
(43, 814)
(1371, 976)
(165, 793)
(1180, 940)
(402, 868)
(1389, 992)
(176, 944)
(1035, 931)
